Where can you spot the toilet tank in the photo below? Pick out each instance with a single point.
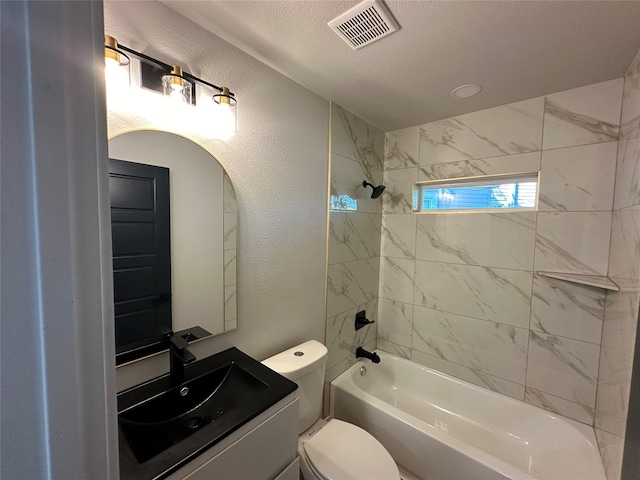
(304, 365)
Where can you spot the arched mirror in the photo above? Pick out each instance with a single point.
(174, 221)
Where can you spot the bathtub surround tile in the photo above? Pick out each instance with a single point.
(576, 242)
(621, 320)
(346, 182)
(578, 179)
(583, 115)
(395, 322)
(351, 284)
(621, 308)
(398, 195)
(354, 138)
(342, 337)
(504, 130)
(401, 148)
(560, 406)
(398, 235)
(563, 367)
(567, 310)
(611, 449)
(489, 239)
(616, 358)
(492, 348)
(394, 348)
(353, 236)
(517, 163)
(625, 245)
(470, 375)
(396, 279)
(630, 120)
(627, 191)
(616, 366)
(498, 295)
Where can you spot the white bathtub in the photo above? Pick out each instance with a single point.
(437, 427)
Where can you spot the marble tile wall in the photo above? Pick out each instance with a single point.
(621, 308)
(357, 151)
(460, 293)
(230, 225)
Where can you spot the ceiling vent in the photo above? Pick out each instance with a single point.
(364, 24)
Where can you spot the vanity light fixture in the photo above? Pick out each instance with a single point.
(116, 62)
(174, 85)
(172, 80)
(112, 54)
(225, 98)
(226, 106)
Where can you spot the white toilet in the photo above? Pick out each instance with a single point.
(333, 450)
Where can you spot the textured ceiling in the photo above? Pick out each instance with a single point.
(514, 49)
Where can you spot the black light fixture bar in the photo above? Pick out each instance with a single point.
(168, 67)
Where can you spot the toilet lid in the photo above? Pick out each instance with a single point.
(340, 451)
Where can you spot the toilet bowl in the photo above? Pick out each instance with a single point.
(340, 450)
(333, 449)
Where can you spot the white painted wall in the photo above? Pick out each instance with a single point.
(278, 163)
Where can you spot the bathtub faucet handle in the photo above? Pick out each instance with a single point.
(361, 352)
(361, 320)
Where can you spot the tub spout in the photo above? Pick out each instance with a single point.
(361, 352)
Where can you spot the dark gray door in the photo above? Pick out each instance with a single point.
(140, 229)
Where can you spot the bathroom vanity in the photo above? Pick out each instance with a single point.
(225, 416)
(264, 448)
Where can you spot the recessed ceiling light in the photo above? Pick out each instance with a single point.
(466, 91)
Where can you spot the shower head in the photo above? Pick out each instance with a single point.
(377, 191)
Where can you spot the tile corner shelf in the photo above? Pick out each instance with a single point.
(599, 281)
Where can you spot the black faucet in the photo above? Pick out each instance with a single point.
(361, 352)
(179, 355)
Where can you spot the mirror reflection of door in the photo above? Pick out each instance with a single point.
(203, 218)
(140, 226)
